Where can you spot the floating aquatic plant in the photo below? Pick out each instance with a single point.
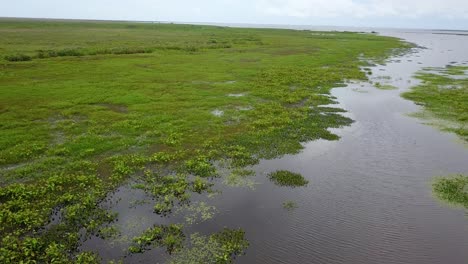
(453, 190)
(218, 248)
(290, 205)
(169, 236)
(287, 178)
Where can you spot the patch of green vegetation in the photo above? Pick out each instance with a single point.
(287, 178)
(18, 57)
(197, 212)
(109, 232)
(240, 177)
(221, 247)
(444, 97)
(169, 236)
(167, 189)
(290, 205)
(102, 103)
(381, 86)
(453, 190)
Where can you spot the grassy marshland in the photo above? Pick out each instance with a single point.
(287, 178)
(444, 96)
(87, 106)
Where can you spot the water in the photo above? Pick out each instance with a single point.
(369, 198)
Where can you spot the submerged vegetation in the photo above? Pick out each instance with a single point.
(218, 248)
(444, 96)
(287, 178)
(171, 237)
(453, 190)
(380, 86)
(88, 106)
(290, 205)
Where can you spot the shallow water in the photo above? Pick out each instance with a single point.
(369, 198)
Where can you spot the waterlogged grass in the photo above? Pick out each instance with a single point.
(381, 86)
(87, 106)
(444, 97)
(221, 247)
(287, 178)
(197, 212)
(240, 177)
(290, 205)
(169, 236)
(453, 190)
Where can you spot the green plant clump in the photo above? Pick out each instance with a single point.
(290, 205)
(453, 190)
(219, 248)
(171, 237)
(18, 57)
(287, 178)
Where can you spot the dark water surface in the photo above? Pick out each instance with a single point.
(369, 198)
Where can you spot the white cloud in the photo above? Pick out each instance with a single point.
(365, 8)
(377, 13)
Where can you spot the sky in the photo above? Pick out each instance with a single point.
(433, 14)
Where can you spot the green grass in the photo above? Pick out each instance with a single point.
(453, 190)
(287, 178)
(444, 98)
(87, 106)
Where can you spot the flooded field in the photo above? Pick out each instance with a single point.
(369, 196)
(180, 156)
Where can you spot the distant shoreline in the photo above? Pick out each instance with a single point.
(241, 25)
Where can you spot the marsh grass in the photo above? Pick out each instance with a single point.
(110, 102)
(448, 105)
(219, 248)
(197, 212)
(169, 236)
(240, 178)
(18, 57)
(287, 178)
(453, 190)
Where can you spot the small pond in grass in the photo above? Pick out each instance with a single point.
(368, 197)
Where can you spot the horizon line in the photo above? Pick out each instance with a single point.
(226, 23)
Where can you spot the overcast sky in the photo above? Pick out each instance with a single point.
(447, 14)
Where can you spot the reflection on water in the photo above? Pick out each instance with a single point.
(368, 199)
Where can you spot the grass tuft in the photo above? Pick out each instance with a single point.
(453, 190)
(287, 178)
